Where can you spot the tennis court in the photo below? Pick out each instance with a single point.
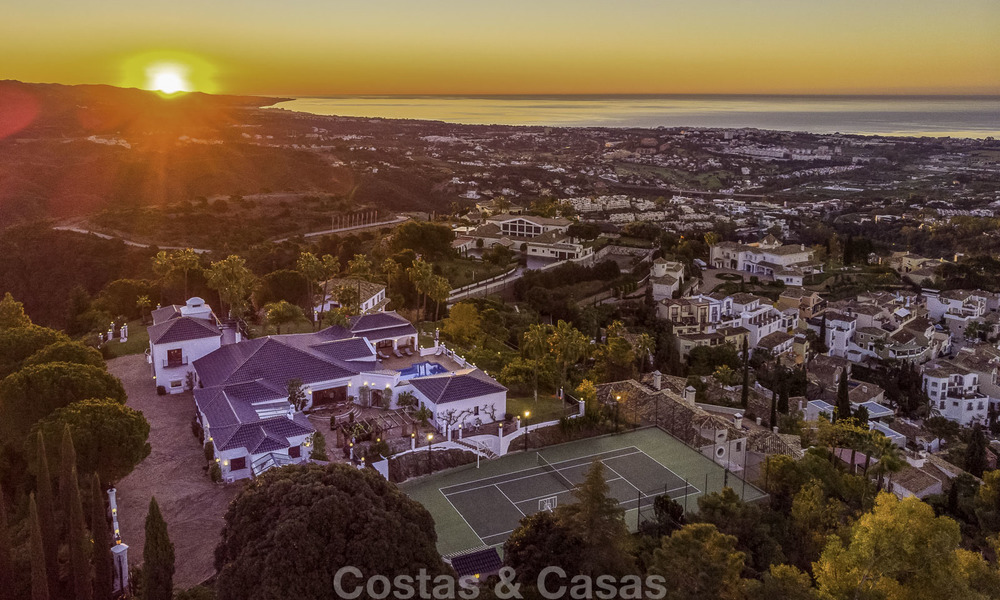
(481, 507)
(631, 474)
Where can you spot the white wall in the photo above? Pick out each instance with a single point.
(192, 350)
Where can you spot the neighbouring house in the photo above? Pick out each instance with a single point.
(666, 277)
(179, 336)
(528, 226)
(923, 475)
(371, 296)
(768, 258)
(808, 304)
(954, 392)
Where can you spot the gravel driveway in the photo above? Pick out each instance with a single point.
(174, 473)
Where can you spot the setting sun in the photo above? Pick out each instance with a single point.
(168, 79)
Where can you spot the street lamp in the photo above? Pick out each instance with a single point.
(618, 401)
(527, 414)
(430, 443)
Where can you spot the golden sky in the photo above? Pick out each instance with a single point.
(330, 47)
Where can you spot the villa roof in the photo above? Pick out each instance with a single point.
(262, 436)
(381, 325)
(180, 329)
(452, 387)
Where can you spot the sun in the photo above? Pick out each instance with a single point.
(168, 78)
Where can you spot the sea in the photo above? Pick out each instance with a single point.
(911, 116)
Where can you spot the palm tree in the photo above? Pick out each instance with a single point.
(890, 459)
(180, 261)
(534, 345)
(234, 282)
(421, 273)
(143, 302)
(281, 313)
(391, 270)
(311, 269)
(440, 290)
(568, 345)
(644, 348)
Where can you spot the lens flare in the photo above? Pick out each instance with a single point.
(169, 73)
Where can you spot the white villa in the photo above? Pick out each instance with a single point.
(242, 394)
(768, 258)
(666, 277)
(179, 336)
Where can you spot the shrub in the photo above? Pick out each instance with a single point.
(161, 391)
(215, 472)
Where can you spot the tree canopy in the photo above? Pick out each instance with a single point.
(69, 352)
(110, 439)
(36, 391)
(332, 516)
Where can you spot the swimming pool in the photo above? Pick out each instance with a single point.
(422, 369)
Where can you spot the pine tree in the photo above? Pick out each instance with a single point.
(46, 513)
(39, 576)
(6, 565)
(158, 557)
(600, 523)
(102, 560)
(843, 408)
(745, 393)
(78, 540)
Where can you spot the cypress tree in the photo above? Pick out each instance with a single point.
(78, 540)
(46, 513)
(975, 453)
(774, 408)
(67, 474)
(103, 562)
(158, 557)
(6, 564)
(745, 393)
(39, 576)
(843, 408)
(783, 396)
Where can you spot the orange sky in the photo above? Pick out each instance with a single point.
(328, 47)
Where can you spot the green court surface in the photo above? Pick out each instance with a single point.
(481, 507)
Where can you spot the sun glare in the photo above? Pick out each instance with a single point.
(168, 79)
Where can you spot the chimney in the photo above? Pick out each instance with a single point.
(738, 420)
(918, 459)
(775, 429)
(689, 395)
(291, 411)
(657, 380)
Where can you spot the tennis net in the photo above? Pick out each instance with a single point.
(549, 468)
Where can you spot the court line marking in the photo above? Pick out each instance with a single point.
(467, 524)
(442, 490)
(632, 485)
(631, 450)
(511, 501)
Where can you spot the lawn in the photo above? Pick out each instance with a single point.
(463, 271)
(548, 407)
(138, 341)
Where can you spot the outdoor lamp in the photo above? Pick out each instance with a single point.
(527, 414)
(430, 436)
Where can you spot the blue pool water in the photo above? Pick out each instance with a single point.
(422, 369)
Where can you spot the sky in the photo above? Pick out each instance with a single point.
(382, 47)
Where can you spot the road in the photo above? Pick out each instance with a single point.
(395, 221)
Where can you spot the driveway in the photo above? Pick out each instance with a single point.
(174, 473)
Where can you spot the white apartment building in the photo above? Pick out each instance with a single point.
(954, 393)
